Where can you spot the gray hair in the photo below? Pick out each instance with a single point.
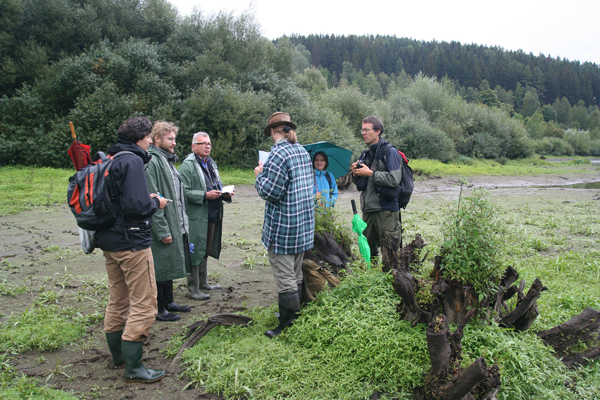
(204, 134)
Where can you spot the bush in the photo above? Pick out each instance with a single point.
(233, 118)
(473, 242)
(560, 147)
(579, 141)
(543, 146)
(595, 147)
(422, 140)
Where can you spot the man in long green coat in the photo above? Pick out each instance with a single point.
(169, 226)
(204, 200)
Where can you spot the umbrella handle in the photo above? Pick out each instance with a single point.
(72, 130)
(354, 206)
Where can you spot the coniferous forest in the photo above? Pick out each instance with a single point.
(97, 62)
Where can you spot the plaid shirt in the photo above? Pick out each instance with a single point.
(286, 183)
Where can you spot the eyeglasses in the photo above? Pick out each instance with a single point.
(366, 130)
(203, 144)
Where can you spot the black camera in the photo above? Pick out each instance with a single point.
(359, 164)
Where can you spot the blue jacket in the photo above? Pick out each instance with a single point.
(329, 193)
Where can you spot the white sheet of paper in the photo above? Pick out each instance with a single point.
(228, 189)
(263, 155)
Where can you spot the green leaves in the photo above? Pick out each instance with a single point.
(473, 242)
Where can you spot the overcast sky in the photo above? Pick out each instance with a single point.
(569, 29)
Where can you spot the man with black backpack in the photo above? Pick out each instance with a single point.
(131, 308)
(377, 175)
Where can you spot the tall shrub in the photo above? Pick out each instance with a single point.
(473, 241)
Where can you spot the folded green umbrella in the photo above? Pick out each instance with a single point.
(358, 226)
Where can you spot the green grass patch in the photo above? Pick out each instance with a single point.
(476, 166)
(350, 343)
(24, 188)
(43, 328)
(237, 176)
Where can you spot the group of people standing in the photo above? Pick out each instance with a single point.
(170, 221)
(289, 183)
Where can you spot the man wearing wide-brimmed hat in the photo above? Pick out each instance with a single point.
(285, 183)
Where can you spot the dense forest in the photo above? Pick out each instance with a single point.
(97, 62)
(467, 64)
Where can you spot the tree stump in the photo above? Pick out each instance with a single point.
(446, 380)
(526, 311)
(409, 255)
(405, 285)
(327, 250)
(584, 328)
(457, 301)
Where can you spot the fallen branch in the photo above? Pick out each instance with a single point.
(195, 334)
(584, 328)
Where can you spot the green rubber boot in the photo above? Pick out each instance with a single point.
(134, 369)
(114, 345)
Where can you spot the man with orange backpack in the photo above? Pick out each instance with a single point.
(131, 308)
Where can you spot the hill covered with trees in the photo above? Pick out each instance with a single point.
(97, 62)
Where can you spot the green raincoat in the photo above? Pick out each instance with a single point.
(169, 261)
(194, 187)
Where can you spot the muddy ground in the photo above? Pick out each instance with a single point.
(40, 249)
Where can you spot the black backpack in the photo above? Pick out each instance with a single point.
(407, 184)
(91, 194)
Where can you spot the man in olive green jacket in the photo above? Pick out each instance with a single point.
(169, 226)
(202, 186)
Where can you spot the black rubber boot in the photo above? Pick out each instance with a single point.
(289, 305)
(204, 277)
(114, 345)
(301, 296)
(170, 304)
(163, 314)
(134, 368)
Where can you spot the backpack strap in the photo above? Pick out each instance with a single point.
(328, 178)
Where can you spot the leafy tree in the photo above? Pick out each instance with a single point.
(549, 113)
(488, 97)
(594, 120)
(301, 59)
(530, 104)
(370, 85)
(536, 125)
(312, 80)
(563, 111)
(580, 115)
(232, 117)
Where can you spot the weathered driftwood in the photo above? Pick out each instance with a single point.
(409, 255)
(446, 380)
(194, 334)
(328, 250)
(584, 328)
(526, 311)
(457, 301)
(389, 253)
(405, 284)
(465, 381)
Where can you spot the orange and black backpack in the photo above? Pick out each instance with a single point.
(91, 194)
